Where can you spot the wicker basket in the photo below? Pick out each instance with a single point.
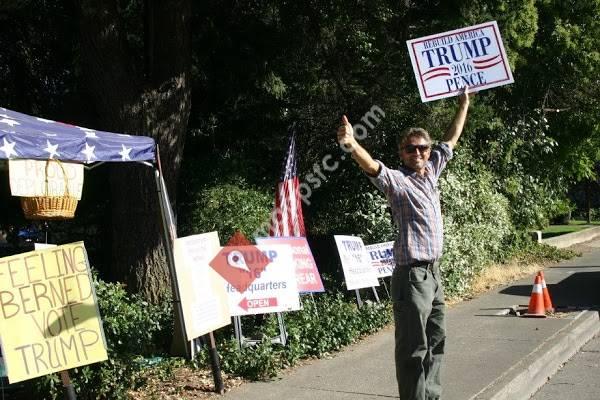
(50, 207)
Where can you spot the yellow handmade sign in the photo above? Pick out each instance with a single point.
(49, 319)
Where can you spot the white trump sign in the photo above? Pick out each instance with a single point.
(447, 62)
(382, 258)
(356, 263)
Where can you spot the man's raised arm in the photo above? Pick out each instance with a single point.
(345, 135)
(456, 128)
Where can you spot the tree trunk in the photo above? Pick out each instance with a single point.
(588, 201)
(153, 100)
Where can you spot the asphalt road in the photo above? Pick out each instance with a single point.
(578, 379)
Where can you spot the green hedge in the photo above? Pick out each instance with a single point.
(321, 327)
(227, 208)
(477, 223)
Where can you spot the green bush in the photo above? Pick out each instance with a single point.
(321, 327)
(583, 214)
(372, 215)
(131, 324)
(226, 208)
(533, 252)
(477, 224)
(522, 157)
(261, 361)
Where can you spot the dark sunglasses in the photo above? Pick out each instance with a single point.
(412, 148)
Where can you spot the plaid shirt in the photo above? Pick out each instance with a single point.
(415, 205)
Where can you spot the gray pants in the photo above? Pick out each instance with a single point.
(420, 331)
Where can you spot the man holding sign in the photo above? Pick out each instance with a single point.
(417, 291)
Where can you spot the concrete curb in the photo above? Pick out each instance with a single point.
(570, 239)
(524, 378)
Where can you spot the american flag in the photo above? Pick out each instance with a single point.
(287, 219)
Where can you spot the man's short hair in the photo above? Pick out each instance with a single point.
(413, 132)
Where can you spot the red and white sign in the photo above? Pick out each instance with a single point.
(447, 62)
(258, 279)
(307, 274)
(247, 304)
(358, 271)
(382, 258)
(240, 265)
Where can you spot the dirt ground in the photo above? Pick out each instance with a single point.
(186, 384)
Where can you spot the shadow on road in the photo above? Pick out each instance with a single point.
(578, 290)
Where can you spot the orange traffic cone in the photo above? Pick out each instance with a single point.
(547, 301)
(536, 302)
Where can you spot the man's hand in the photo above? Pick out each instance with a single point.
(464, 98)
(345, 135)
(348, 143)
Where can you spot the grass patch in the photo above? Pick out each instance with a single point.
(500, 274)
(583, 222)
(573, 226)
(525, 263)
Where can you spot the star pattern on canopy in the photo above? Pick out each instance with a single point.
(9, 121)
(89, 152)
(125, 153)
(8, 148)
(29, 137)
(51, 149)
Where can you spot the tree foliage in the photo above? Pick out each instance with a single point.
(257, 67)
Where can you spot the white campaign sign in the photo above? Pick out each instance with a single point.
(356, 263)
(275, 290)
(382, 258)
(28, 178)
(447, 62)
(204, 301)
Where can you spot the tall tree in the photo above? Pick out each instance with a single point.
(150, 97)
